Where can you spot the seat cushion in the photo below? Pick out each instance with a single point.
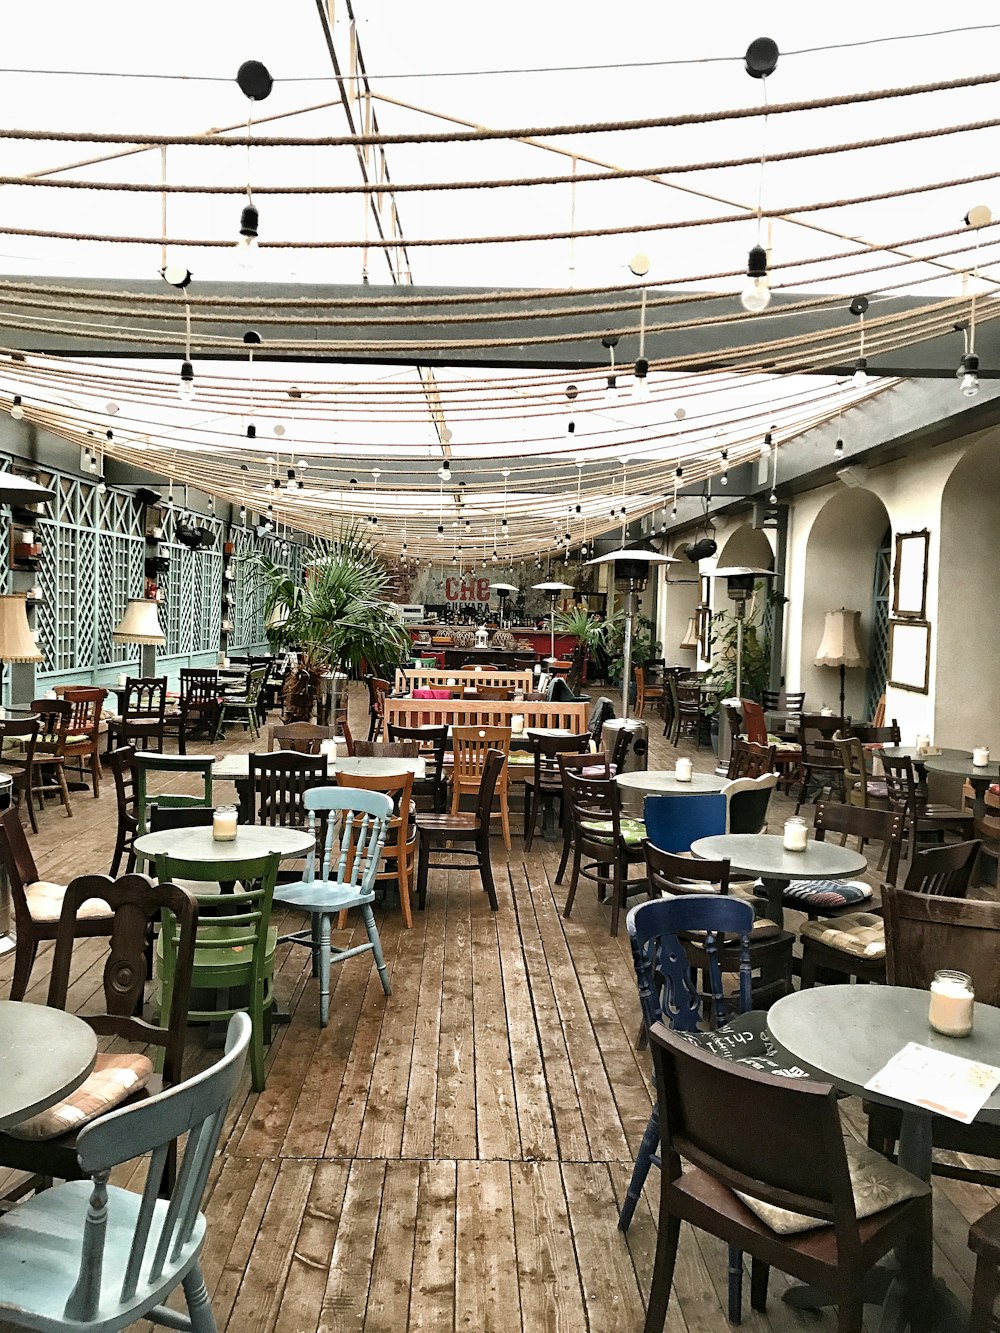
(45, 902)
(876, 1184)
(878, 789)
(826, 893)
(746, 1040)
(782, 744)
(521, 759)
(633, 830)
(860, 934)
(113, 1078)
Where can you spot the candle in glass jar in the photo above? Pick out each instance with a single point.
(683, 770)
(28, 536)
(952, 1004)
(122, 679)
(329, 748)
(980, 756)
(224, 824)
(517, 723)
(796, 835)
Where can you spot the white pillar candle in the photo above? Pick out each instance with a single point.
(122, 679)
(329, 748)
(28, 536)
(224, 824)
(980, 756)
(517, 723)
(952, 1004)
(683, 770)
(796, 835)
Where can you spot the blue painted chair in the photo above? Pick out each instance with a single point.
(668, 994)
(363, 818)
(673, 823)
(91, 1257)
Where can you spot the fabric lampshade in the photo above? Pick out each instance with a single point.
(17, 643)
(690, 639)
(278, 616)
(841, 643)
(140, 624)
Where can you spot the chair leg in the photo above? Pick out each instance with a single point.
(530, 816)
(668, 1234)
(198, 1304)
(850, 1310)
(985, 1289)
(324, 968)
(618, 886)
(423, 856)
(376, 943)
(567, 844)
(643, 1161)
(505, 816)
(574, 879)
(95, 773)
(64, 790)
(315, 923)
(403, 871)
(735, 1284)
(257, 1077)
(759, 1274)
(486, 870)
(24, 960)
(807, 976)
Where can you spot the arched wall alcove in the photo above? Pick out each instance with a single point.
(681, 603)
(746, 546)
(840, 571)
(965, 642)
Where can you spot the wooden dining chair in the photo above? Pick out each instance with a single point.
(142, 719)
(173, 766)
(586, 765)
(74, 1259)
(749, 760)
(378, 691)
(799, 1166)
(450, 835)
(279, 783)
(18, 740)
(787, 753)
(37, 902)
(197, 705)
(922, 816)
(820, 762)
(644, 692)
(432, 741)
(544, 783)
(470, 747)
(304, 737)
(397, 864)
(122, 762)
(83, 741)
(243, 708)
(605, 843)
(49, 769)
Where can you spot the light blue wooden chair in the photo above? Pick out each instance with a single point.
(362, 818)
(93, 1258)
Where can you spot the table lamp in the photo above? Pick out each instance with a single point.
(632, 567)
(740, 580)
(840, 645)
(553, 589)
(17, 643)
(141, 624)
(690, 639)
(503, 591)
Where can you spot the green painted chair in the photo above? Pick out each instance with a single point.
(175, 765)
(91, 1257)
(235, 943)
(363, 820)
(244, 708)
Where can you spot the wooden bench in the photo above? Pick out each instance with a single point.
(570, 717)
(409, 679)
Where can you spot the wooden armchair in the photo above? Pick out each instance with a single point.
(142, 719)
(49, 776)
(83, 741)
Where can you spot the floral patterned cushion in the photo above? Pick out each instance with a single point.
(876, 1184)
(45, 902)
(113, 1078)
(633, 830)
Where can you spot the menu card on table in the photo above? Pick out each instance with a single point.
(936, 1080)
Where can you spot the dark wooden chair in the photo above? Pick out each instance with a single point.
(544, 783)
(83, 742)
(984, 1242)
(691, 715)
(279, 781)
(142, 719)
(345, 731)
(787, 753)
(46, 1144)
(588, 765)
(671, 706)
(925, 932)
(868, 734)
(986, 828)
(378, 691)
(304, 737)
(37, 903)
(387, 749)
(792, 703)
(750, 760)
(819, 758)
(197, 705)
(799, 1164)
(646, 693)
(49, 777)
(922, 816)
(122, 763)
(610, 842)
(494, 693)
(21, 762)
(432, 742)
(437, 833)
(824, 898)
(619, 751)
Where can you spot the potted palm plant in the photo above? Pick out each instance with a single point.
(335, 619)
(591, 638)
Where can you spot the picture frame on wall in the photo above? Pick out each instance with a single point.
(909, 575)
(910, 655)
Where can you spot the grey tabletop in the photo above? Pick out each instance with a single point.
(197, 844)
(44, 1055)
(849, 1032)
(237, 766)
(764, 854)
(910, 752)
(958, 764)
(663, 782)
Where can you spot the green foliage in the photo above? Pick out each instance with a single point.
(756, 654)
(591, 633)
(645, 647)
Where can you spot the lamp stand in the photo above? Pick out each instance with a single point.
(843, 674)
(552, 628)
(147, 660)
(740, 608)
(627, 648)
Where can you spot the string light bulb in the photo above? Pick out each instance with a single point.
(185, 387)
(756, 294)
(641, 386)
(17, 408)
(969, 371)
(247, 246)
(860, 377)
(838, 449)
(724, 475)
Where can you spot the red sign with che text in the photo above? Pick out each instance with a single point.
(467, 588)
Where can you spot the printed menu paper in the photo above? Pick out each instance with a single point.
(936, 1080)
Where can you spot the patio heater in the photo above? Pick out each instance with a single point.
(841, 644)
(503, 591)
(553, 589)
(740, 580)
(141, 624)
(631, 568)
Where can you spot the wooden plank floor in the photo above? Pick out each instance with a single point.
(451, 1157)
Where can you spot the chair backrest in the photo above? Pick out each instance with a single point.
(677, 876)
(471, 745)
(943, 870)
(18, 864)
(256, 679)
(735, 720)
(602, 710)
(852, 756)
(122, 763)
(870, 734)
(182, 816)
(26, 733)
(431, 741)
(137, 904)
(750, 760)
(925, 933)
(593, 799)
(88, 704)
(770, 700)
(987, 825)
(54, 717)
(345, 731)
(673, 823)
(198, 686)
(387, 749)
(747, 801)
(496, 761)
(878, 717)
(754, 722)
(145, 697)
(623, 739)
(799, 1163)
(362, 824)
(596, 765)
(280, 782)
(195, 1108)
(399, 788)
(303, 737)
(147, 762)
(663, 973)
(816, 734)
(884, 826)
(900, 783)
(494, 692)
(546, 750)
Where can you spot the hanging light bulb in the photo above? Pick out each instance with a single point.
(838, 449)
(765, 448)
(247, 245)
(772, 499)
(860, 377)
(185, 388)
(756, 294)
(641, 385)
(444, 471)
(969, 371)
(724, 475)
(16, 408)
(243, 513)
(251, 431)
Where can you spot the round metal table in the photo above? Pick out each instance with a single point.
(764, 854)
(663, 782)
(44, 1055)
(197, 844)
(958, 764)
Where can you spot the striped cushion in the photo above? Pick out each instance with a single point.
(860, 934)
(826, 893)
(113, 1078)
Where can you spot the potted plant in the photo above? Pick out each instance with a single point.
(646, 647)
(335, 619)
(591, 638)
